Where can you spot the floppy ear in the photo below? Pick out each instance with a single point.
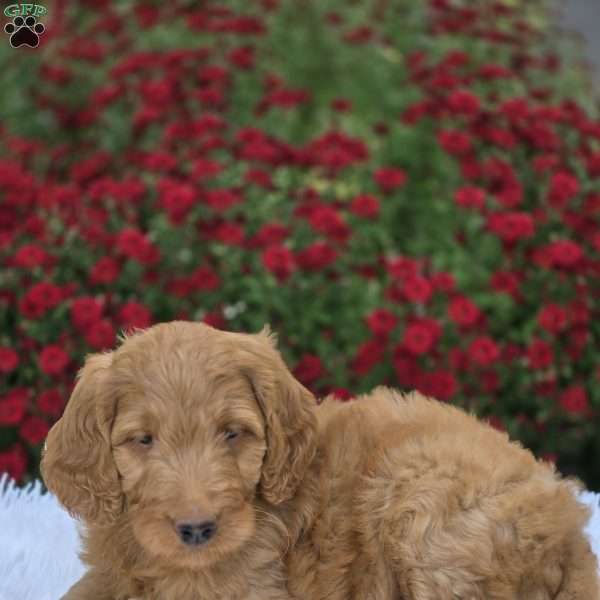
(77, 464)
(288, 409)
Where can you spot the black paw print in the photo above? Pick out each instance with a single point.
(24, 32)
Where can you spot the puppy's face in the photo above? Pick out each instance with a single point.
(179, 430)
(188, 441)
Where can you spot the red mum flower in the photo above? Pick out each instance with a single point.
(389, 179)
(53, 360)
(9, 360)
(574, 400)
(417, 289)
(51, 402)
(553, 318)
(101, 335)
(105, 271)
(134, 315)
(205, 279)
(13, 406)
(563, 253)
(365, 206)
(381, 322)
(34, 430)
(463, 102)
(279, 260)
(40, 298)
(539, 354)
(563, 187)
(14, 462)
(316, 256)
(470, 197)
(441, 385)
(229, 233)
(85, 311)
(512, 226)
(483, 351)
(369, 354)
(463, 311)
(418, 339)
(456, 143)
(325, 219)
(31, 256)
(308, 369)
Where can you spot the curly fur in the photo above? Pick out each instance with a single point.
(387, 497)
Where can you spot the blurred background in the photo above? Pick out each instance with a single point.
(407, 192)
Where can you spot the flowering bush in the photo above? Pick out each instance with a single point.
(407, 193)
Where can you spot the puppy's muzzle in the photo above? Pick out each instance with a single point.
(195, 534)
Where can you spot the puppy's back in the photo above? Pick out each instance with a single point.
(462, 510)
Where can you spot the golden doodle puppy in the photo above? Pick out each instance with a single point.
(204, 471)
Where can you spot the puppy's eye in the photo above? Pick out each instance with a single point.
(230, 434)
(146, 441)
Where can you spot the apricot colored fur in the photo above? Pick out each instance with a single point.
(388, 497)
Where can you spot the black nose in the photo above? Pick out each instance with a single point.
(195, 534)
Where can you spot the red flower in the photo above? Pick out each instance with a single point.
(14, 462)
(308, 369)
(316, 257)
(101, 335)
(463, 311)
(418, 339)
(279, 260)
(30, 256)
(512, 226)
(204, 279)
(463, 102)
(389, 179)
(85, 311)
(456, 143)
(483, 351)
(51, 402)
(13, 406)
(53, 360)
(134, 315)
(539, 354)
(417, 289)
(470, 197)
(134, 244)
(441, 385)
(229, 233)
(382, 322)
(40, 298)
(105, 271)
(563, 187)
(9, 360)
(574, 400)
(369, 354)
(553, 318)
(325, 219)
(365, 206)
(34, 430)
(223, 199)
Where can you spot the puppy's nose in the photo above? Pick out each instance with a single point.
(194, 533)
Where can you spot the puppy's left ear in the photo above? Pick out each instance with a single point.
(288, 409)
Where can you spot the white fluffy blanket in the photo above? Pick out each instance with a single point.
(39, 542)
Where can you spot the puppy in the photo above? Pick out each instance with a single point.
(204, 471)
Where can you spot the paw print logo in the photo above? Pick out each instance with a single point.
(24, 32)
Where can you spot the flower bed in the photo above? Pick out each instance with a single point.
(407, 193)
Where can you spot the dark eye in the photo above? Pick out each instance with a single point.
(230, 434)
(146, 440)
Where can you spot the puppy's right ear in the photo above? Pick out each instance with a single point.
(77, 464)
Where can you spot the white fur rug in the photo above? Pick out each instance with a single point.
(39, 542)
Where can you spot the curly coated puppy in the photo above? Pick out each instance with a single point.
(204, 471)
